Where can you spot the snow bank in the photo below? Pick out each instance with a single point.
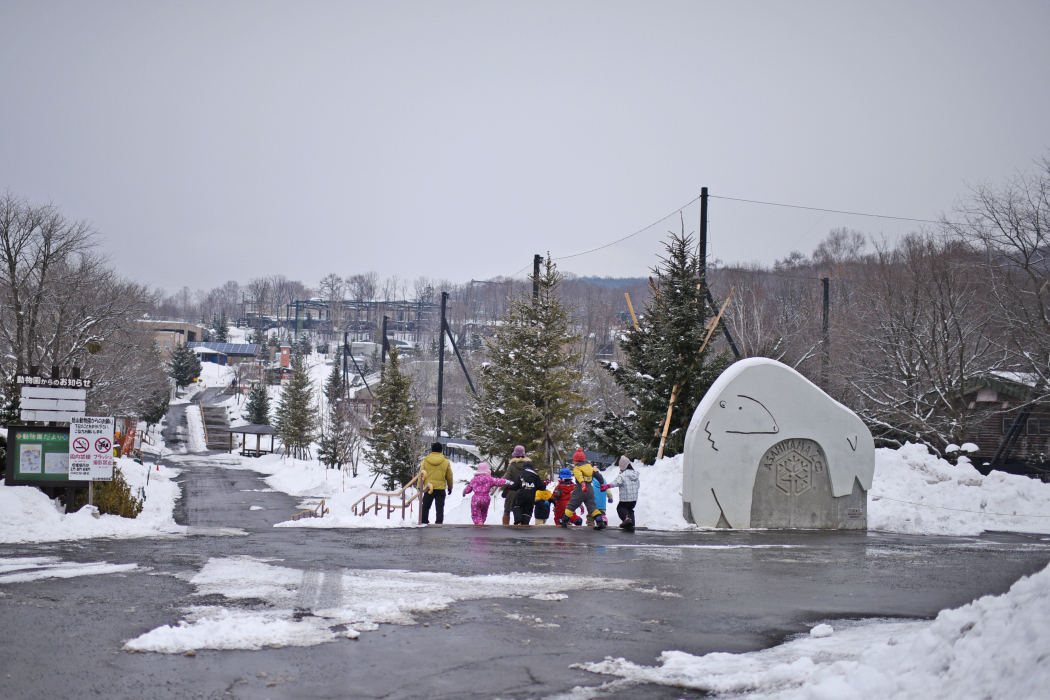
(357, 599)
(916, 492)
(27, 515)
(195, 438)
(994, 647)
(214, 374)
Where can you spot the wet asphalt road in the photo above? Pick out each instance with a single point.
(63, 638)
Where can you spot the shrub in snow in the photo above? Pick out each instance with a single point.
(115, 497)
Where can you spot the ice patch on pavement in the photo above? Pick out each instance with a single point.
(997, 646)
(295, 607)
(23, 569)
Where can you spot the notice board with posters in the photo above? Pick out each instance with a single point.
(38, 456)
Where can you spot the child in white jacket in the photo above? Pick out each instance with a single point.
(627, 482)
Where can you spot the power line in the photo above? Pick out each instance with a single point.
(619, 240)
(575, 255)
(733, 199)
(832, 211)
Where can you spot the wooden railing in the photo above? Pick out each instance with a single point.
(361, 507)
(317, 512)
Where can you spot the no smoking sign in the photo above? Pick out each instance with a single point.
(90, 445)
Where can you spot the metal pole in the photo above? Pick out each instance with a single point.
(384, 343)
(460, 358)
(346, 366)
(703, 236)
(825, 339)
(536, 260)
(441, 363)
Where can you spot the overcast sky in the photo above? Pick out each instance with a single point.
(225, 140)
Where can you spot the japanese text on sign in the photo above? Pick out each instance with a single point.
(90, 448)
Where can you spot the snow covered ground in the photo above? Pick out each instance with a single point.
(356, 600)
(27, 515)
(916, 492)
(994, 647)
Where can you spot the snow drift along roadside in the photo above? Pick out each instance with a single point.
(995, 647)
(27, 515)
(915, 492)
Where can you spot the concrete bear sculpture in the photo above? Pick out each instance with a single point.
(768, 448)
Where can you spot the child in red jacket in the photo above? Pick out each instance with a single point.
(562, 493)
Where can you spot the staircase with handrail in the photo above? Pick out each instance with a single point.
(391, 505)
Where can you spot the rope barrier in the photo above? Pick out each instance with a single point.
(959, 510)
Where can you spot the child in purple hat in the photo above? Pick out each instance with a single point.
(481, 486)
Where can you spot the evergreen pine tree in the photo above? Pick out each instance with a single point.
(297, 415)
(333, 387)
(662, 354)
(530, 387)
(222, 329)
(258, 406)
(153, 408)
(185, 365)
(11, 411)
(395, 446)
(340, 436)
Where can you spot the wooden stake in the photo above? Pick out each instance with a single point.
(631, 308)
(674, 391)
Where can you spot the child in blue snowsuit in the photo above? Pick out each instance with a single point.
(600, 496)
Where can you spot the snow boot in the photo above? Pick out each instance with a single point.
(627, 525)
(506, 520)
(564, 522)
(600, 522)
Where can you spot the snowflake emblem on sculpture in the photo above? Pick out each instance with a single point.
(794, 472)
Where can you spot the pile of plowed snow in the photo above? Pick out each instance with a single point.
(995, 647)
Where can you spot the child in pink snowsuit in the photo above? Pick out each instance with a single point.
(482, 485)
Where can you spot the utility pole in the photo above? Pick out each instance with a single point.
(825, 337)
(385, 345)
(703, 236)
(536, 260)
(441, 363)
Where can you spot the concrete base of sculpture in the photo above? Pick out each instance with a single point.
(793, 489)
(768, 448)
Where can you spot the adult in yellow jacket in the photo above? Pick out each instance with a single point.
(438, 477)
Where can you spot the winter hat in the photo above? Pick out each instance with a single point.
(436, 447)
(565, 473)
(624, 462)
(484, 468)
(519, 451)
(579, 456)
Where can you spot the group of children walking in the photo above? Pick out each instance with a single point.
(526, 494)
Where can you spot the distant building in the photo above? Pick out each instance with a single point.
(168, 334)
(226, 353)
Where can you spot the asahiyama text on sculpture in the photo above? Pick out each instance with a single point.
(768, 448)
